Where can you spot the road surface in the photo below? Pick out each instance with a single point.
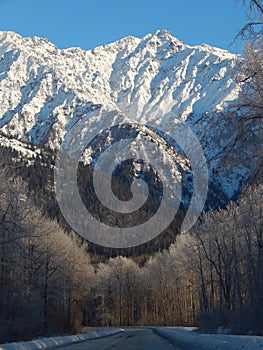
(131, 339)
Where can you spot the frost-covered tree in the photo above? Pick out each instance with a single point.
(43, 271)
(252, 30)
(250, 71)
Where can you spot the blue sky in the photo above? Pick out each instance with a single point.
(89, 23)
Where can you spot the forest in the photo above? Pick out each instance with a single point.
(211, 277)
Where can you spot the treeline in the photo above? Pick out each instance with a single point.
(225, 254)
(211, 277)
(37, 172)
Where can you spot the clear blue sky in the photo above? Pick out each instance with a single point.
(89, 23)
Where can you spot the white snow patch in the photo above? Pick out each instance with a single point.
(189, 340)
(54, 342)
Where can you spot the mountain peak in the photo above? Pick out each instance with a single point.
(163, 37)
(164, 34)
(9, 36)
(44, 91)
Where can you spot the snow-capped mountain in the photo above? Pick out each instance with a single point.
(44, 91)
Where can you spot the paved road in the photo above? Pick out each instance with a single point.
(131, 339)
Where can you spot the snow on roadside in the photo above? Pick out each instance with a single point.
(54, 342)
(193, 341)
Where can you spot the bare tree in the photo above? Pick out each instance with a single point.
(252, 30)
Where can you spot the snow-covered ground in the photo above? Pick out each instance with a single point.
(52, 343)
(184, 338)
(190, 340)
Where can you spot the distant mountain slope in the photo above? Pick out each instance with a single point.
(44, 91)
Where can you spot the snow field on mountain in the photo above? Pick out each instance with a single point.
(45, 91)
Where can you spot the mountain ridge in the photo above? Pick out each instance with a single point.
(127, 73)
(45, 91)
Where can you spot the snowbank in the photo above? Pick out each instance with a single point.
(52, 343)
(193, 341)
